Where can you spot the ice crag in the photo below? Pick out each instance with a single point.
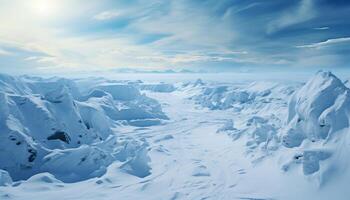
(318, 110)
(47, 125)
(318, 114)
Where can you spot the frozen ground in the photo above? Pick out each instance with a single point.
(204, 139)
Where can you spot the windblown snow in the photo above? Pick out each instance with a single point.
(99, 138)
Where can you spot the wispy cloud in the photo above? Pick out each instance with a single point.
(4, 52)
(89, 35)
(328, 42)
(106, 15)
(322, 28)
(303, 12)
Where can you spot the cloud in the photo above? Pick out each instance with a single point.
(322, 28)
(105, 34)
(328, 42)
(302, 13)
(106, 15)
(234, 9)
(3, 52)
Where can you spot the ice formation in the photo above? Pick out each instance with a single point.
(192, 140)
(47, 123)
(317, 115)
(318, 110)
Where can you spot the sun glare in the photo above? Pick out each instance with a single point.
(45, 7)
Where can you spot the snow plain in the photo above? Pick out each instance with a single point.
(107, 138)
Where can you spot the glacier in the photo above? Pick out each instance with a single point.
(107, 138)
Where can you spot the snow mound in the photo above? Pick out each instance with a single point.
(309, 159)
(198, 83)
(261, 134)
(318, 110)
(71, 165)
(213, 97)
(43, 178)
(138, 165)
(200, 170)
(228, 126)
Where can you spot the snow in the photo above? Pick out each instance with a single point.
(84, 162)
(46, 123)
(121, 92)
(99, 138)
(318, 110)
(5, 178)
(158, 87)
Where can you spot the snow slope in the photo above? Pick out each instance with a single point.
(196, 140)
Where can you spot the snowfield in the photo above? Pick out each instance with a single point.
(102, 138)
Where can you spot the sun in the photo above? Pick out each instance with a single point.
(45, 7)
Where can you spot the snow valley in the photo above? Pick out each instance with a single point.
(105, 138)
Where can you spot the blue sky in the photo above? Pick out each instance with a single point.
(215, 35)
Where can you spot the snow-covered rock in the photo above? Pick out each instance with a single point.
(318, 110)
(317, 124)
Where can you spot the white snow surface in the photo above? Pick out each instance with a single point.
(98, 138)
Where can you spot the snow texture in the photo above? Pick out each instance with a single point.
(48, 125)
(98, 138)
